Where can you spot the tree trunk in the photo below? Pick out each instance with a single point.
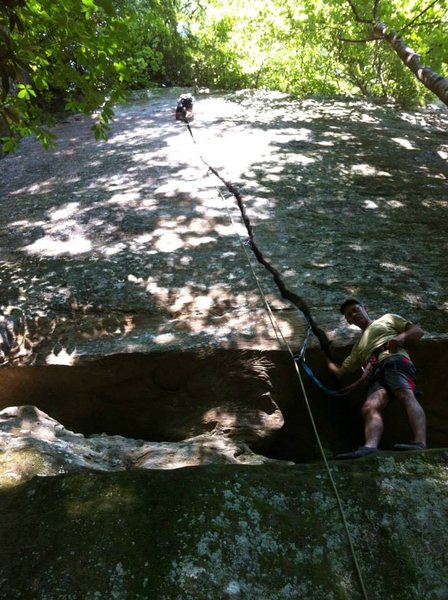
(433, 81)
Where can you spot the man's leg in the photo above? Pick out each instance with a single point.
(372, 408)
(400, 377)
(415, 412)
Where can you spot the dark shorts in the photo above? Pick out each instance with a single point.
(394, 373)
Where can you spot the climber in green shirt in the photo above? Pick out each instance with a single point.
(381, 350)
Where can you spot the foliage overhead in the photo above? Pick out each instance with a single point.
(322, 46)
(84, 55)
(58, 53)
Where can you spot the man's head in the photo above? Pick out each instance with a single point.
(355, 313)
(348, 302)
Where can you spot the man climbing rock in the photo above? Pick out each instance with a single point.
(184, 108)
(381, 351)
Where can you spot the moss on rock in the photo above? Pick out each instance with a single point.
(267, 532)
(21, 464)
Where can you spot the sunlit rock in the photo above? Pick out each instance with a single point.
(146, 320)
(131, 246)
(32, 443)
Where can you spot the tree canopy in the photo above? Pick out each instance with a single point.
(85, 55)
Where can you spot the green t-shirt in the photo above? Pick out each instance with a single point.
(377, 333)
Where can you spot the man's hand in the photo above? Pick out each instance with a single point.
(335, 369)
(393, 344)
(412, 333)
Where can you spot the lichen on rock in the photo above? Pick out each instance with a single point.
(226, 531)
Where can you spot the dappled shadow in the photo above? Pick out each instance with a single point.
(124, 240)
(126, 245)
(359, 196)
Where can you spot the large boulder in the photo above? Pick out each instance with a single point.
(147, 334)
(32, 443)
(226, 531)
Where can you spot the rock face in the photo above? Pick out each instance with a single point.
(249, 396)
(147, 334)
(157, 397)
(225, 531)
(32, 443)
(127, 246)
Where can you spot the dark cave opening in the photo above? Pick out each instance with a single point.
(166, 397)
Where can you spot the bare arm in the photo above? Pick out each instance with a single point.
(336, 369)
(410, 335)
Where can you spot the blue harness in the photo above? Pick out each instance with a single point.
(300, 359)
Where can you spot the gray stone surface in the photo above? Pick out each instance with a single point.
(145, 322)
(127, 245)
(33, 444)
(271, 532)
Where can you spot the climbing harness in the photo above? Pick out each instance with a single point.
(312, 328)
(300, 358)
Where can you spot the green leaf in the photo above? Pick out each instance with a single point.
(119, 66)
(46, 137)
(9, 144)
(25, 92)
(100, 130)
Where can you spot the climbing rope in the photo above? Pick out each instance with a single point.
(312, 327)
(300, 358)
(284, 291)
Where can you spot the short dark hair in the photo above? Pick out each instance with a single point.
(348, 303)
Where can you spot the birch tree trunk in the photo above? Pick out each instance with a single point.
(430, 79)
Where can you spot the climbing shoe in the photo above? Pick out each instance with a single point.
(359, 453)
(411, 446)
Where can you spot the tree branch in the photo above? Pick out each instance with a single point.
(427, 23)
(355, 12)
(430, 79)
(375, 10)
(418, 16)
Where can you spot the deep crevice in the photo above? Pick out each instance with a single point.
(164, 397)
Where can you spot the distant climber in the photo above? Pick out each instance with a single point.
(389, 371)
(184, 108)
